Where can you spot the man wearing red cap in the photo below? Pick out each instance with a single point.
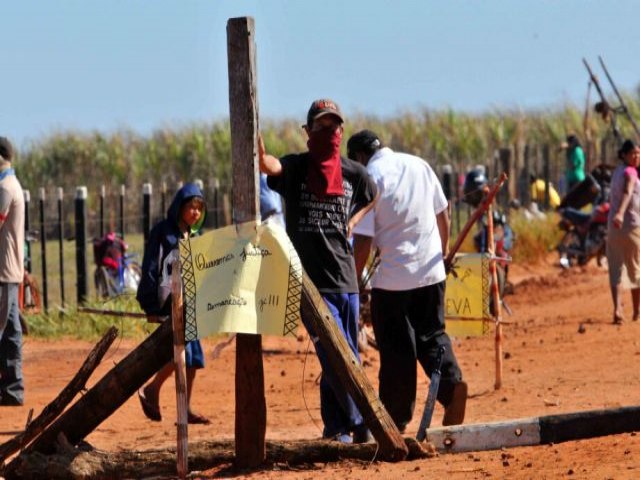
(325, 196)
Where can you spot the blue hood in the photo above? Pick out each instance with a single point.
(187, 192)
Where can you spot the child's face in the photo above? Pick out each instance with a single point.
(191, 211)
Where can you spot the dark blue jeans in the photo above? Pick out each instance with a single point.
(338, 410)
(11, 382)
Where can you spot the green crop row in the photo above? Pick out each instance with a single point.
(68, 159)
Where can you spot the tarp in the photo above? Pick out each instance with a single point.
(244, 278)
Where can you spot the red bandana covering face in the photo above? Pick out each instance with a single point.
(324, 173)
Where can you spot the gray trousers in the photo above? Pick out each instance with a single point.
(11, 381)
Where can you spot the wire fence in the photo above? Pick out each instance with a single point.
(56, 260)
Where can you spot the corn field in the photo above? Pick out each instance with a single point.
(168, 157)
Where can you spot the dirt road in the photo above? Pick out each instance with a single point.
(562, 354)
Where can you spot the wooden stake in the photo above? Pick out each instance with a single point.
(177, 319)
(251, 409)
(495, 293)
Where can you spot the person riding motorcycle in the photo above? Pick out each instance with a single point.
(586, 232)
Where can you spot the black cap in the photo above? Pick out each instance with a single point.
(363, 141)
(6, 150)
(322, 107)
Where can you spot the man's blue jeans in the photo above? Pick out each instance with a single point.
(11, 381)
(339, 412)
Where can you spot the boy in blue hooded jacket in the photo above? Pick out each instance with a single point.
(185, 217)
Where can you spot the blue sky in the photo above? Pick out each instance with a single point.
(103, 65)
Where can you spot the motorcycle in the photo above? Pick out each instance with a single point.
(585, 235)
(585, 232)
(116, 271)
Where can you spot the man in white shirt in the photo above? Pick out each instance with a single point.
(410, 227)
(11, 275)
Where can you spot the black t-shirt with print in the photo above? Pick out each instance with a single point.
(317, 227)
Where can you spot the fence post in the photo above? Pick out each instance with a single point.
(123, 191)
(163, 200)
(447, 180)
(103, 194)
(546, 169)
(147, 190)
(81, 244)
(216, 192)
(506, 165)
(61, 243)
(525, 180)
(27, 227)
(43, 244)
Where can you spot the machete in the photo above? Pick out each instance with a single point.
(425, 422)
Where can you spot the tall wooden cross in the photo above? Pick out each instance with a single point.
(251, 410)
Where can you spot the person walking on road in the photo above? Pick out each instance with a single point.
(409, 225)
(184, 218)
(623, 231)
(11, 275)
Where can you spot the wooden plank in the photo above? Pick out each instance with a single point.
(535, 430)
(57, 406)
(351, 373)
(251, 410)
(589, 424)
(110, 392)
(485, 436)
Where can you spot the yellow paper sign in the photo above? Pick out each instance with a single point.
(244, 278)
(467, 296)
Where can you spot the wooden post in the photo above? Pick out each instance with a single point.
(43, 249)
(81, 245)
(251, 409)
(177, 320)
(546, 171)
(147, 190)
(61, 243)
(447, 182)
(103, 193)
(27, 227)
(216, 192)
(163, 200)
(495, 293)
(110, 392)
(122, 195)
(57, 406)
(506, 165)
(525, 192)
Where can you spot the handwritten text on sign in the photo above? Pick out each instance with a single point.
(467, 295)
(243, 278)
